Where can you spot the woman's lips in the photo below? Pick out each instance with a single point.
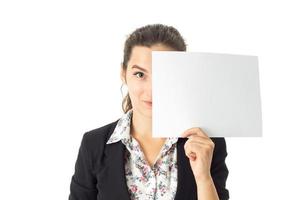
(149, 103)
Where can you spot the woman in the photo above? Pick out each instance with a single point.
(121, 160)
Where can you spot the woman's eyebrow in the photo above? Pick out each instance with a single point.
(138, 67)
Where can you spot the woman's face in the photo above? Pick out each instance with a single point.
(139, 78)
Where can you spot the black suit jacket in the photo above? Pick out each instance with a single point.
(100, 175)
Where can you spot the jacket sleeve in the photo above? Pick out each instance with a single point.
(83, 181)
(219, 171)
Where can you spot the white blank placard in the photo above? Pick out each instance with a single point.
(217, 92)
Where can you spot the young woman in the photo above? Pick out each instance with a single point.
(121, 160)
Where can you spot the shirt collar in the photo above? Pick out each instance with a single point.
(122, 130)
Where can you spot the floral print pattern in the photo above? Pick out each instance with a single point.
(147, 182)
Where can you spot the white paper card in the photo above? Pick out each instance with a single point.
(217, 92)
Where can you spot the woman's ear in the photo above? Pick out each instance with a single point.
(123, 75)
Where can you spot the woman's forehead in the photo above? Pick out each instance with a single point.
(141, 55)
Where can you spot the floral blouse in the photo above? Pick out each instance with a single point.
(147, 182)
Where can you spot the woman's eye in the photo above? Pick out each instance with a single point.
(142, 74)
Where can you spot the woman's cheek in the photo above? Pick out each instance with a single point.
(134, 93)
(137, 90)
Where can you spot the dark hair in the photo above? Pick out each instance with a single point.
(148, 36)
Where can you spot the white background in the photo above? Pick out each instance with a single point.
(59, 77)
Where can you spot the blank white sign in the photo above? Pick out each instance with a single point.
(217, 92)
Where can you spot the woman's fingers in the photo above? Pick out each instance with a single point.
(196, 134)
(198, 143)
(200, 139)
(192, 147)
(194, 131)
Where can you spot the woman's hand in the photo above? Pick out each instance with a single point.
(199, 149)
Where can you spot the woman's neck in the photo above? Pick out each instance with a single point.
(141, 125)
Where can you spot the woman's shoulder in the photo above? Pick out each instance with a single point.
(100, 134)
(96, 138)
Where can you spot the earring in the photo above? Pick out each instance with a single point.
(126, 88)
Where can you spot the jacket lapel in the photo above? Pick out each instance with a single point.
(114, 173)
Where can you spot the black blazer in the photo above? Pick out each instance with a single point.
(100, 175)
